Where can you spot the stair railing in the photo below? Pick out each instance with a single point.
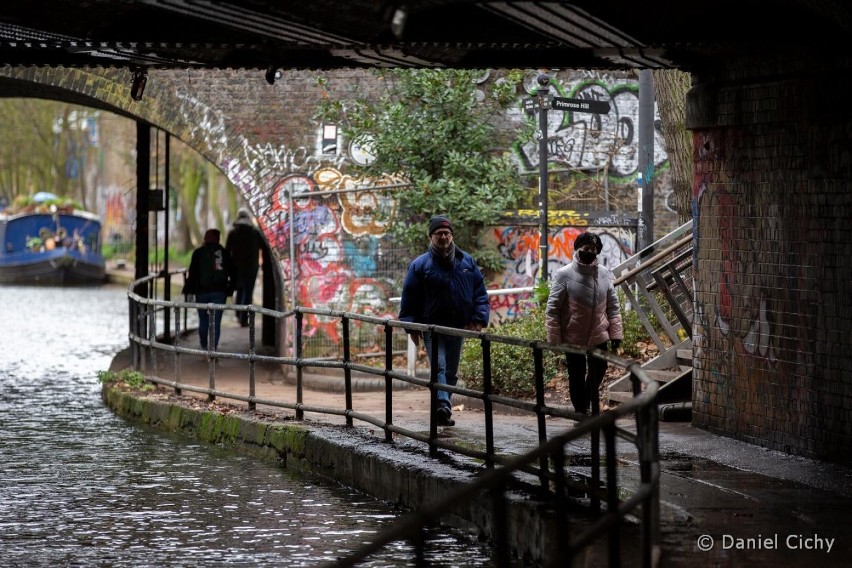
(657, 282)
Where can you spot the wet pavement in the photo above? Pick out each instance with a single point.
(723, 502)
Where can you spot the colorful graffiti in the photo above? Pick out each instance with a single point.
(586, 141)
(519, 248)
(334, 225)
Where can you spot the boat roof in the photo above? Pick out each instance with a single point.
(7, 215)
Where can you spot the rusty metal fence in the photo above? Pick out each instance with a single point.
(548, 462)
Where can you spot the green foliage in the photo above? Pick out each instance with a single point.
(634, 331)
(512, 368)
(131, 379)
(430, 129)
(541, 292)
(635, 334)
(176, 258)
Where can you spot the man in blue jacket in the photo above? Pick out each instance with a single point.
(444, 287)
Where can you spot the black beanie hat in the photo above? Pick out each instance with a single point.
(439, 222)
(588, 238)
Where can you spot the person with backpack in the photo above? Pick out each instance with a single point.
(211, 278)
(244, 244)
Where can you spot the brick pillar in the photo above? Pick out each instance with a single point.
(772, 203)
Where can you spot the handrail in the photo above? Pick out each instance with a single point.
(546, 462)
(650, 261)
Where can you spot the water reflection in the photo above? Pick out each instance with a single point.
(79, 486)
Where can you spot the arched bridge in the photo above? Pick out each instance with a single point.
(768, 113)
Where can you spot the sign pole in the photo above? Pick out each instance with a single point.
(543, 81)
(646, 158)
(541, 103)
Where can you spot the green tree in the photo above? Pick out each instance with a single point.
(430, 128)
(44, 147)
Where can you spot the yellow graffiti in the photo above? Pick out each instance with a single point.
(558, 218)
(367, 212)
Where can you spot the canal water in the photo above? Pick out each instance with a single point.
(79, 486)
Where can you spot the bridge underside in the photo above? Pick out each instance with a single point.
(328, 34)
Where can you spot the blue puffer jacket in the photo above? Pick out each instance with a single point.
(436, 293)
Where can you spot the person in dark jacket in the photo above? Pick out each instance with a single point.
(244, 244)
(583, 309)
(445, 287)
(211, 279)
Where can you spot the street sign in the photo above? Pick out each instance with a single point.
(534, 104)
(580, 105)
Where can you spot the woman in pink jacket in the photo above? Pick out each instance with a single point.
(583, 310)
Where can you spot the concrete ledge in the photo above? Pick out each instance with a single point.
(400, 473)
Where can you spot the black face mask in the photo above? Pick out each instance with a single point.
(587, 257)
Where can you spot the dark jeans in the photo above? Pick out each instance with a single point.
(204, 317)
(583, 387)
(449, 353)
(245, 291)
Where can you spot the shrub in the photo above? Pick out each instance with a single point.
(512, 367)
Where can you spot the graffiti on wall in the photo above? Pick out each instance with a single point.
(207, 125)
(519, 248)
(336, 243)
(315, 213)
(279, 158)
(587, 141)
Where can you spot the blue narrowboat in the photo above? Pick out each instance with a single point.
(51, 245)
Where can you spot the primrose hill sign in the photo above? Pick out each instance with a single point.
(563, 104)
(580, 105)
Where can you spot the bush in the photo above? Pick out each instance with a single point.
(634, 331)
(512, 368)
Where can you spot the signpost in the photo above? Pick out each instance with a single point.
(540, 104)
(580, 105)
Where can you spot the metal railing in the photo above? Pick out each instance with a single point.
(657, 280)
(546, 460)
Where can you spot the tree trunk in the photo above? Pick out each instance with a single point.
(670, 87)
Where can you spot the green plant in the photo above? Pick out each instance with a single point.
(512, 367)
(131, 379)
(541, 292)
(176, 257)
(433, 131)
(635, 334)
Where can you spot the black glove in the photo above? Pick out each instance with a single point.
(616, 343)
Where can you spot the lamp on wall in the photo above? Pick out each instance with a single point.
(137, 84)
(329, 138)
(272, 73)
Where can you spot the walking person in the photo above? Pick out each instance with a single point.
(244, 244)
(445, 287)
(583, 309)
(211, 278)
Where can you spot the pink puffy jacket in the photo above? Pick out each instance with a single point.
(583, 308)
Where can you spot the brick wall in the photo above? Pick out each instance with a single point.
(772, 208)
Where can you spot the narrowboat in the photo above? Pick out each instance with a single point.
(51, 245)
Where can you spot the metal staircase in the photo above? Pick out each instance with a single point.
(657, 283)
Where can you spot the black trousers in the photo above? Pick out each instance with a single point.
(582, 386)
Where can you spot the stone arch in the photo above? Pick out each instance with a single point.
(183, 115)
